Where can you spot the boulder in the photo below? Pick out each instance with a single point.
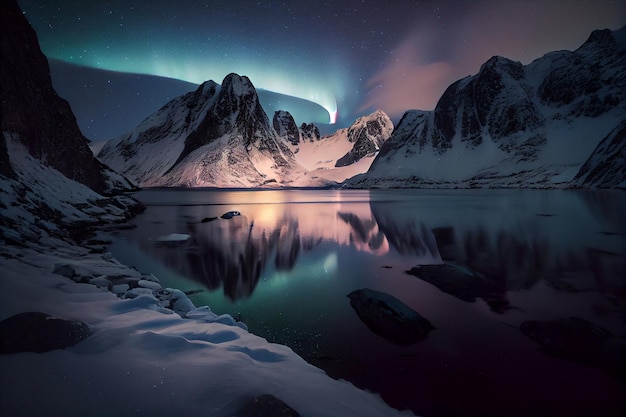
(455, 279)
(230, 214)
(580, 341)
(463, 283)
(389, 317)
(40, 332)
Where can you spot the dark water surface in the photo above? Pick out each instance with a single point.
(286, 265)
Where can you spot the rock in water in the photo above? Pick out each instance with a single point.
(230, 214)
(389, 317)
(265, 406)
(580, 341)
(454, 279)
(40, 332)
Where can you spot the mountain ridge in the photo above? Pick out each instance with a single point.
(511, 125)
(220, 136)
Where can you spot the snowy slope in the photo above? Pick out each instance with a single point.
(511, 125)
(155, 145)
(41, 202)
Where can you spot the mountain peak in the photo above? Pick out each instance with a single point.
(368, 133)
(239, 85)
(208, 88)
(285, 127)
(502, 64)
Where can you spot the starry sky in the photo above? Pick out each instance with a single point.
(348, 56)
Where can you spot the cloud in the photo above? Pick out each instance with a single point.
(407, 81)
(438, 52)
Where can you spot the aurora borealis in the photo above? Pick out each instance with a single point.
(350, 57)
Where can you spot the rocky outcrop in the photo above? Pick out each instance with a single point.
(310, 132)
(32, 111)
(286, 127)
(368, 134)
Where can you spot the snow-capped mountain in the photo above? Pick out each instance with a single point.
(511, 125)
(220, 136)
(345, 153)
(214, 136)
(36, 117)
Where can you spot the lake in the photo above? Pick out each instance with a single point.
(286, 264)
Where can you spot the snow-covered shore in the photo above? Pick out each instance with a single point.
(152, 353)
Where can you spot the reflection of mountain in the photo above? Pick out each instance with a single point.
(227, 253)
(517, 262)
(234, 253)
(405, 235)
(364, 233)
(569, 243)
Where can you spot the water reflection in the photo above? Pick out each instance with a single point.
(513, 240)
(289, 261)
(233, 253)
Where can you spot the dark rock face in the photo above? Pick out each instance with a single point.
(33, 111)
(581, 79)
(389, 317)
(411, 133)
(286, 127)
(580, 341)
(267, 405)
(368, 134)
(496, 101)
(310, 132)
(40, 332)
(236, 108)
(606, 167)
(5, 164)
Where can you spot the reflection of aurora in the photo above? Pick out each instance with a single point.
(234, 253)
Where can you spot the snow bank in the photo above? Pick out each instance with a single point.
(146, 360)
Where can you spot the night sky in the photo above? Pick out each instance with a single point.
(350, 57)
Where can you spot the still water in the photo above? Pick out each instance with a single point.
(286, 265)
